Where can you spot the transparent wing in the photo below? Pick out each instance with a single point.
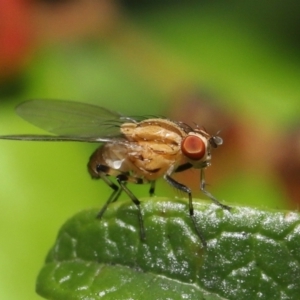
(69, 119)
(53, 138)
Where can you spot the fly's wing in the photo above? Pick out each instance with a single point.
(54, 138)
(70, 121)
(68, 118)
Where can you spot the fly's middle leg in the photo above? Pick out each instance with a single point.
(187, 190)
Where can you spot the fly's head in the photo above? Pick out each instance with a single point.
(196, 147)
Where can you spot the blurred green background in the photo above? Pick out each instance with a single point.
(229, 66)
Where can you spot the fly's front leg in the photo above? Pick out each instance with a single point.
(187, 190)
(208, 194)
(182, 188)
(122, 180)
(183, 167)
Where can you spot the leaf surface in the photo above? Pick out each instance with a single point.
(250, 254)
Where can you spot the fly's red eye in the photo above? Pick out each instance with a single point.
(193, 147)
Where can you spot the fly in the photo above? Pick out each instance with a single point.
(133, 150)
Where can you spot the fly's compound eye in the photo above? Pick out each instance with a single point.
(193, 147)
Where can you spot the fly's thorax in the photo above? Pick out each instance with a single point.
(197, 149)
(154, 146)
(156, 130)
(151, 162)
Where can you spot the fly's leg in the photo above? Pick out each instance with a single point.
(186, 190)
(152, 188)
(103, 171)
(122, 180)
(183, 167)
(113, 197)
(208, 194)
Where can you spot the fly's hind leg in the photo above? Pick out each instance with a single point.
(187, 190)
(122, 180)
(103, 171)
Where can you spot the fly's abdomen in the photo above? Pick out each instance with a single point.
(112, 157)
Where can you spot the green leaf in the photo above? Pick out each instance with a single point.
(250, 254)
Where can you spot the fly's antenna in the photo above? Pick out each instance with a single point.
(216, 140)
